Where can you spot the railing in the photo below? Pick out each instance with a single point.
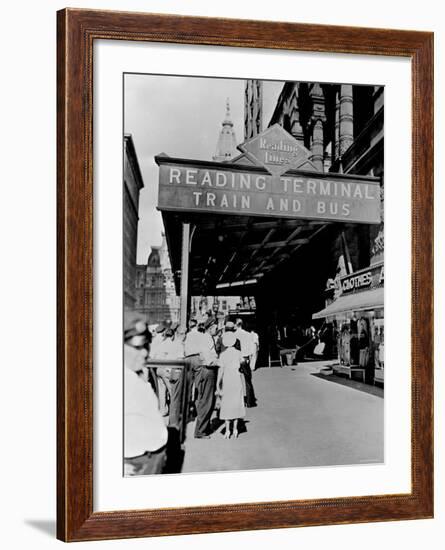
(180, 381)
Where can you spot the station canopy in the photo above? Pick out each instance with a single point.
(251, 215)
(230, 254)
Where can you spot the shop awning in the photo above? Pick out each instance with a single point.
(360, 301)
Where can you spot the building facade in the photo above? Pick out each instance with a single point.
(155, 289)
(342, 126)
(253, 108)
(132, 186)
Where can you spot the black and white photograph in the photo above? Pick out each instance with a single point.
(215, 216)
(253, 274)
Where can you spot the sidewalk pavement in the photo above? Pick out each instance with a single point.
(302, 419)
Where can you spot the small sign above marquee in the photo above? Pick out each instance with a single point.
(277, 151)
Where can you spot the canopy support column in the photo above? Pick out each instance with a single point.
(185, 255)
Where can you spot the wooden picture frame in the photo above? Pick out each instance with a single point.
(77, 31)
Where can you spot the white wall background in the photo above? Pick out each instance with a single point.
(28, 282)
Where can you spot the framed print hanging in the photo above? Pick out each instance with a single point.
(245, 228)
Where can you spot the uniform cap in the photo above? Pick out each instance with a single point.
(134, 324)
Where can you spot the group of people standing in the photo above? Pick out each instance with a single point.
(218, 382)
(220, 373)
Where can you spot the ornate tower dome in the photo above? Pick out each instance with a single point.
(226, 146)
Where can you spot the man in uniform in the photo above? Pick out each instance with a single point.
(145, 434)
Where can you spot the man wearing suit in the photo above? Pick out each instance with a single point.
(205, 380)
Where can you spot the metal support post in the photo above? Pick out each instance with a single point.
(185, 255)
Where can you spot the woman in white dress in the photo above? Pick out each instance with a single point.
(229, 377)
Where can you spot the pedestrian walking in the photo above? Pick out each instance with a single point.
(246, 343)
(230, 386)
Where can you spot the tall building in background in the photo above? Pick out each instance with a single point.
(154, 286)
(133, 183)
(226, 146)
(253, 108)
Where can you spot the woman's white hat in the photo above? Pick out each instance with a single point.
(228, 339)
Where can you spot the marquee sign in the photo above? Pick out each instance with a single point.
(220, 188)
